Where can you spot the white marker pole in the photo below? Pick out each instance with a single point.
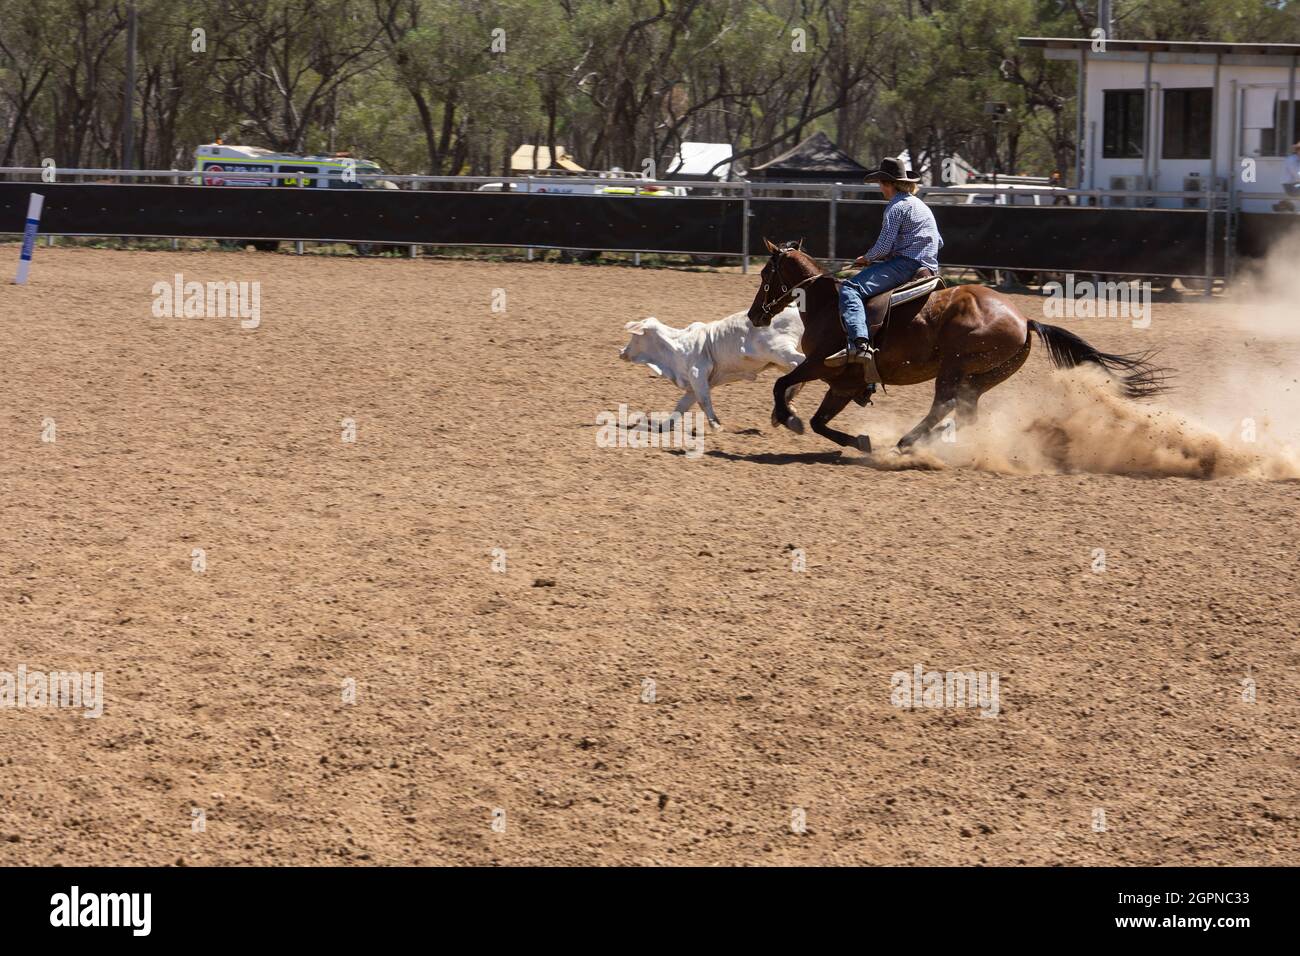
(34, 206)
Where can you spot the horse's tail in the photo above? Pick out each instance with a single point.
(1137, 375)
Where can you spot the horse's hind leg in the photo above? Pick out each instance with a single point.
(945, 399)
(831, 406)
(973, 386)
(968, 404)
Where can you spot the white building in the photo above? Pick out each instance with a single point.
(1165, 116)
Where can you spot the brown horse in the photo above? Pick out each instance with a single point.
(967, 338)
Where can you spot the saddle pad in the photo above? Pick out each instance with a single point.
(909, 292)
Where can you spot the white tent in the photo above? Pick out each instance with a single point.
(696, 161)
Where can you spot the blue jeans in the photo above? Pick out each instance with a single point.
(874, 279)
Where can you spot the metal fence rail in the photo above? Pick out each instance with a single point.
(1104, 231)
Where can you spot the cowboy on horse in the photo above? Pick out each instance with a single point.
(967, 339)
(909, 241)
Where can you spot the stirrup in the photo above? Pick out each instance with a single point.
(839, 358)
(870, 374)
(843, 357)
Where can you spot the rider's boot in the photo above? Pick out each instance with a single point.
(859, 352)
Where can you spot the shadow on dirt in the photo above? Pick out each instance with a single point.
(782, 458)
(882, 461)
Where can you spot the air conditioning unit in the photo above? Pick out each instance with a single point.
(1195, 183)
(1124, 184)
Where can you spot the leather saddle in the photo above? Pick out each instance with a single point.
(906, 300)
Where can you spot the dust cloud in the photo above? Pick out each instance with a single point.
(1234, 411)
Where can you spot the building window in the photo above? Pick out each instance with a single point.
(1275, 142)
(1188, 115)
(1123, 124)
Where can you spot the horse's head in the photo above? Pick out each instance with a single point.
(787, 268)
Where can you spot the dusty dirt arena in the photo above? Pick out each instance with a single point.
(478, 691)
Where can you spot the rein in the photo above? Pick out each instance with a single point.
(787, 294)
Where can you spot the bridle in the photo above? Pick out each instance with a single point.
(787, 291)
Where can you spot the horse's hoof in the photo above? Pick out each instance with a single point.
(795, 424)
(863, 443)
(715, 425)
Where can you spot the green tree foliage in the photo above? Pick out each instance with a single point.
(454, 86)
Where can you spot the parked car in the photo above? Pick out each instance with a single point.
(1014, 194)
(558, 187)
(1003, 194)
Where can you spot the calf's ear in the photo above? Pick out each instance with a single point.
(636, 328)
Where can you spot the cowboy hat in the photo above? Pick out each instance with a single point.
(891, 168)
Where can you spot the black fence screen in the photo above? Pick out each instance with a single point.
(1050, 238)
(1258, 232)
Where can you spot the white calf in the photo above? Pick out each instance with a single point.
(705, 355)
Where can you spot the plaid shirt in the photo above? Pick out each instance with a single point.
(909, 230)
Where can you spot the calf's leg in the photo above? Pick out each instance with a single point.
(679, 411)
(700, 386)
